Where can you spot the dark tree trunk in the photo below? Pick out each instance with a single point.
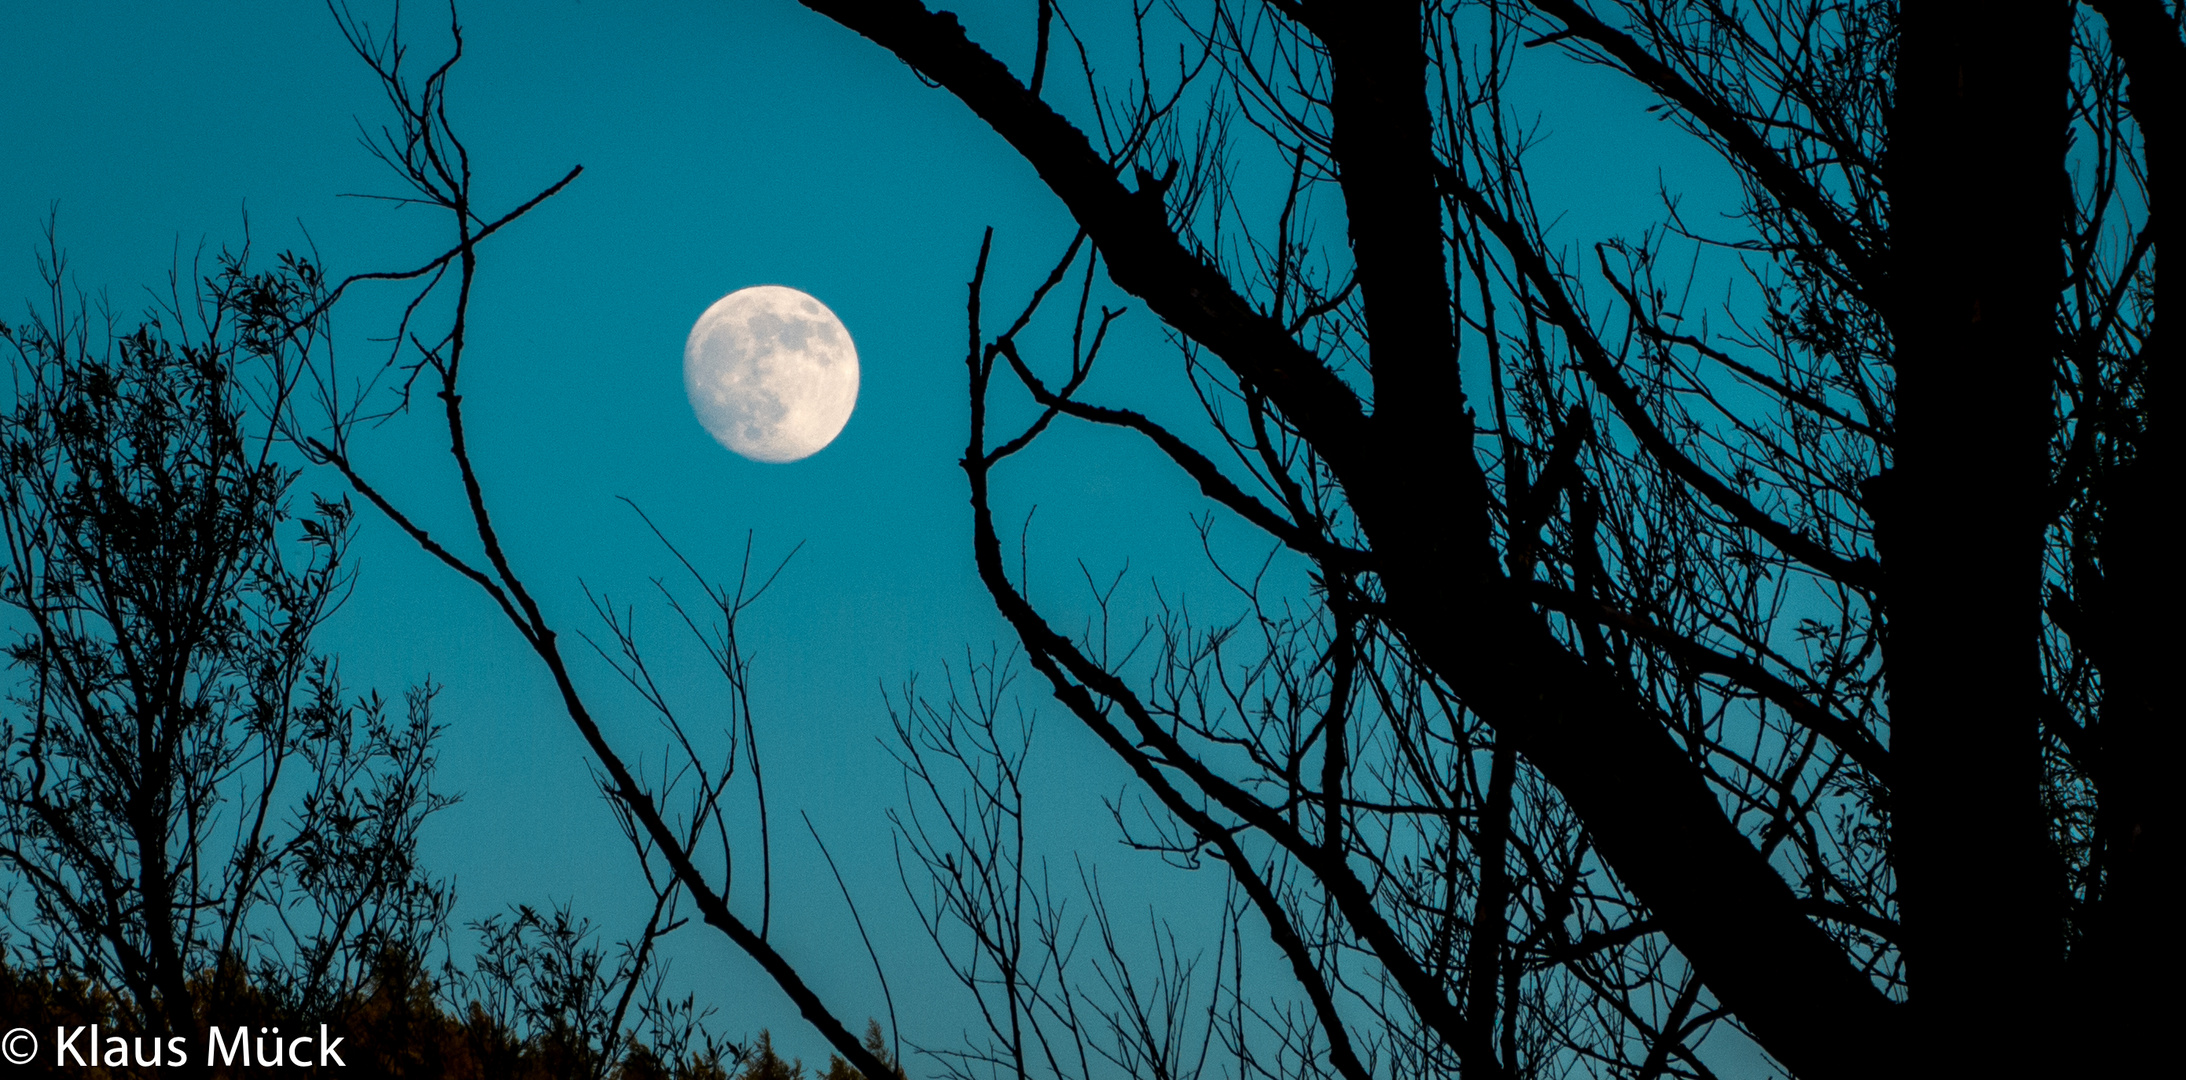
(1978, 190)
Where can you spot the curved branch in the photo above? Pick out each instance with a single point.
(1145, 257)
(1212, 483)
(1860, 572)
(1856, 742)
(1745, 146)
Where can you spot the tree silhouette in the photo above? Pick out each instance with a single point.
(1797, 668)
(198, 827)
(190, 799)
(672, 818)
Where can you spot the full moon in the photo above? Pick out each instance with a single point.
(771, 373)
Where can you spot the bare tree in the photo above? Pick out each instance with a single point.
(1736, 666)
(1059, 992)
(673, 817)
(190, 797)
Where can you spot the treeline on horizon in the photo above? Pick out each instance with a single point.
(400, 1023)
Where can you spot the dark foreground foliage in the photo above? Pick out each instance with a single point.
(400, 1024)
(199, 826)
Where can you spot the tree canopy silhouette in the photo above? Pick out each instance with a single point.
(1798, 665)
(199, 827)
(190, 799)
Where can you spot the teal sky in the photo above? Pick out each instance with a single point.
(724, 145)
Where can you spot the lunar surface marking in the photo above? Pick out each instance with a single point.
(771, 373)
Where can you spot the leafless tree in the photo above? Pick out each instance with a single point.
(1705, 621)
(1060, 992)
(673, 816)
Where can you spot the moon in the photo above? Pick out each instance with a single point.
(771, 373)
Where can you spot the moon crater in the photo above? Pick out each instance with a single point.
(771, 373)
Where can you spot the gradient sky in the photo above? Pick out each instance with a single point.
(724, 145)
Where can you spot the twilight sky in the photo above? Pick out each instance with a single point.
(725, 145)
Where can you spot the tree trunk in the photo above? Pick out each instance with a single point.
(1978, 190)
